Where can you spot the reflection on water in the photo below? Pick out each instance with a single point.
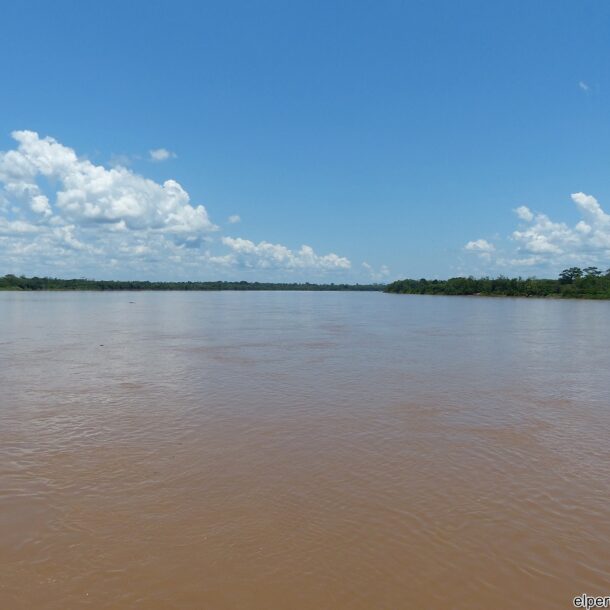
(250, 451)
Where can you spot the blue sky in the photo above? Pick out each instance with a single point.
(391, 139)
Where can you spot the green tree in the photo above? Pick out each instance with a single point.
(592, 272)
(567, 276)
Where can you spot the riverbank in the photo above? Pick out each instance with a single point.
(583, 287)
(14, 283)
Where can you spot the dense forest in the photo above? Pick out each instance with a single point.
(588, 283)
(12, 282)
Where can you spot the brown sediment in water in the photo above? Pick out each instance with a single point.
(302, 451)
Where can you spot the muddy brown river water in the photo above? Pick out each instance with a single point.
(302, 451)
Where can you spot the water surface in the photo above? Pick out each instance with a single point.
(259, 451)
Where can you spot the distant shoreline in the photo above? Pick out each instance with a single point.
(31, 284)
(573, 283)
(496, 295)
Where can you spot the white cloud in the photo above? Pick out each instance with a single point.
(54, 205)
(91, 193)
(40, 205)
(584, 86)
(480, 246)
(17, 227)
(161, 154)
(524, 213)
(264, 255)
(541, 241)
(234, 218)
(588, 239)
(62, 214)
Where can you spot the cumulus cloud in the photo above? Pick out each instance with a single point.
(524, 213)
(265, 255)
(57, 208)
(234, 218)
(61, 211)
(480, 246)
(161, 154)
(588, 238)
(541, 241)
(92, 194)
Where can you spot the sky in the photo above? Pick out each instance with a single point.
(304, 140)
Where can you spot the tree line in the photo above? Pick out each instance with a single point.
(574, 282)
(13, 282)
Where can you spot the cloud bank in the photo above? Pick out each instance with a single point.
(264, 255)
(59, 211)
(540, 241)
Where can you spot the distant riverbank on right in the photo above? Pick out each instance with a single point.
(572, 283)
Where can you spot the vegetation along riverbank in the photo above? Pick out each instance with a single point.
(13, 282)
(588, 283)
